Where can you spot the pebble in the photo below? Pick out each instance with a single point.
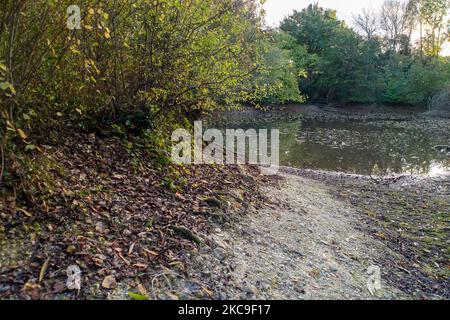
(220, 253)
(251, 290)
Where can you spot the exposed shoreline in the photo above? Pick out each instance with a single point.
(401, 221)
(305, 234)
(315, 241)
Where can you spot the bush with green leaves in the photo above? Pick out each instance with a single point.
(135, 65)
(282, 70)
(415, 81)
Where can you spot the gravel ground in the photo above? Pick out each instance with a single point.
(303, 245)
(309, 241)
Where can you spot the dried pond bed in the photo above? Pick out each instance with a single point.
(411, 215)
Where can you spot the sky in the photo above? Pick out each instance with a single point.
(276, 10)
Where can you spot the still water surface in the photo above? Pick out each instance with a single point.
(376, 148)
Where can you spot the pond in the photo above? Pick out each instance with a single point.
(378, 147)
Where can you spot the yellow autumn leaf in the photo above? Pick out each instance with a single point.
(25, 212)
(22, 134)
(7, 85)
(9, 125)
(43, 270)
(12, 89)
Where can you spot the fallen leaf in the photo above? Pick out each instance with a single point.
(179, 196)
(171, 296)
(151, 252)
(59, 287)
(141, 289)
(140, 266)
(130, 251)
(32, 289)
(43, 270)
(25, 212)
(109, 282)
(207, 291)
(136, 296)
(71, 249)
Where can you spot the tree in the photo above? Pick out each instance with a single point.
(414, 81)
(396, 22)
(367, 23)
(161, 58)
(283, 69)
(432, 17)
(341, 66)
(313, 27)
(140, 65)
(433, 13)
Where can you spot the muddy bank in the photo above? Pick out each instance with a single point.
(319, 234)
(118, 215)
(303, 245)
(410, 214)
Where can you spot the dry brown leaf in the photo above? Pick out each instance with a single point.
(140, 265)
(25, 212)
(141, 289)
(130, 251)
(153, 253)
(109, 282)
(43, 270)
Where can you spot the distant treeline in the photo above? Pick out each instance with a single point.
(392, 57)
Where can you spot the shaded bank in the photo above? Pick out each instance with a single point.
(118, 215)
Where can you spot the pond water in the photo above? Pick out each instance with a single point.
(358, 147)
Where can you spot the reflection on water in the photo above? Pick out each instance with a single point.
(437, 169)
(376, 148)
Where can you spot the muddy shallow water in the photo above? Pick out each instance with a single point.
(360, 144)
